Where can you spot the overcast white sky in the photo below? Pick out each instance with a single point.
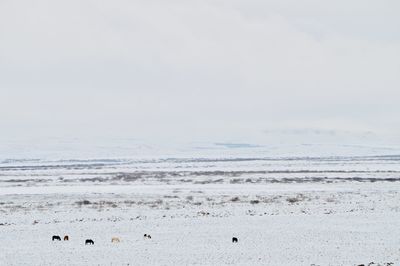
(199, 70)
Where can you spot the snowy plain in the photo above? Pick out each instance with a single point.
(285, 209)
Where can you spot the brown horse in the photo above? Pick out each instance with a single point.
(66, 238)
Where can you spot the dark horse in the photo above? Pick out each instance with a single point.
(66, 238)
(56, 238)
(234, 240)
(89, 242)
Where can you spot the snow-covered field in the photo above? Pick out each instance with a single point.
(284, 211)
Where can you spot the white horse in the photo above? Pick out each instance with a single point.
(115, 240)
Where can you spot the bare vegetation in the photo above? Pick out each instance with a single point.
(235, 199)
(296, 199)
(189, 198)
(83, 202)
(254, 201)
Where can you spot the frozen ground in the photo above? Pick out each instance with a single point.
(284, 211)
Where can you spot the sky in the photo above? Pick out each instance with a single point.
(223, 70)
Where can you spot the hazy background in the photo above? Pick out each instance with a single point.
(253, 71)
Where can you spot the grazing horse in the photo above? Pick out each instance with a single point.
(115, 239)
(89, 242)
(147, 236)
(66, 238)
(56, 238)
(234, 240)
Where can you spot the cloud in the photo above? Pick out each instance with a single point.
(197, 69)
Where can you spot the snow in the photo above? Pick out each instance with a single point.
(319, 210)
